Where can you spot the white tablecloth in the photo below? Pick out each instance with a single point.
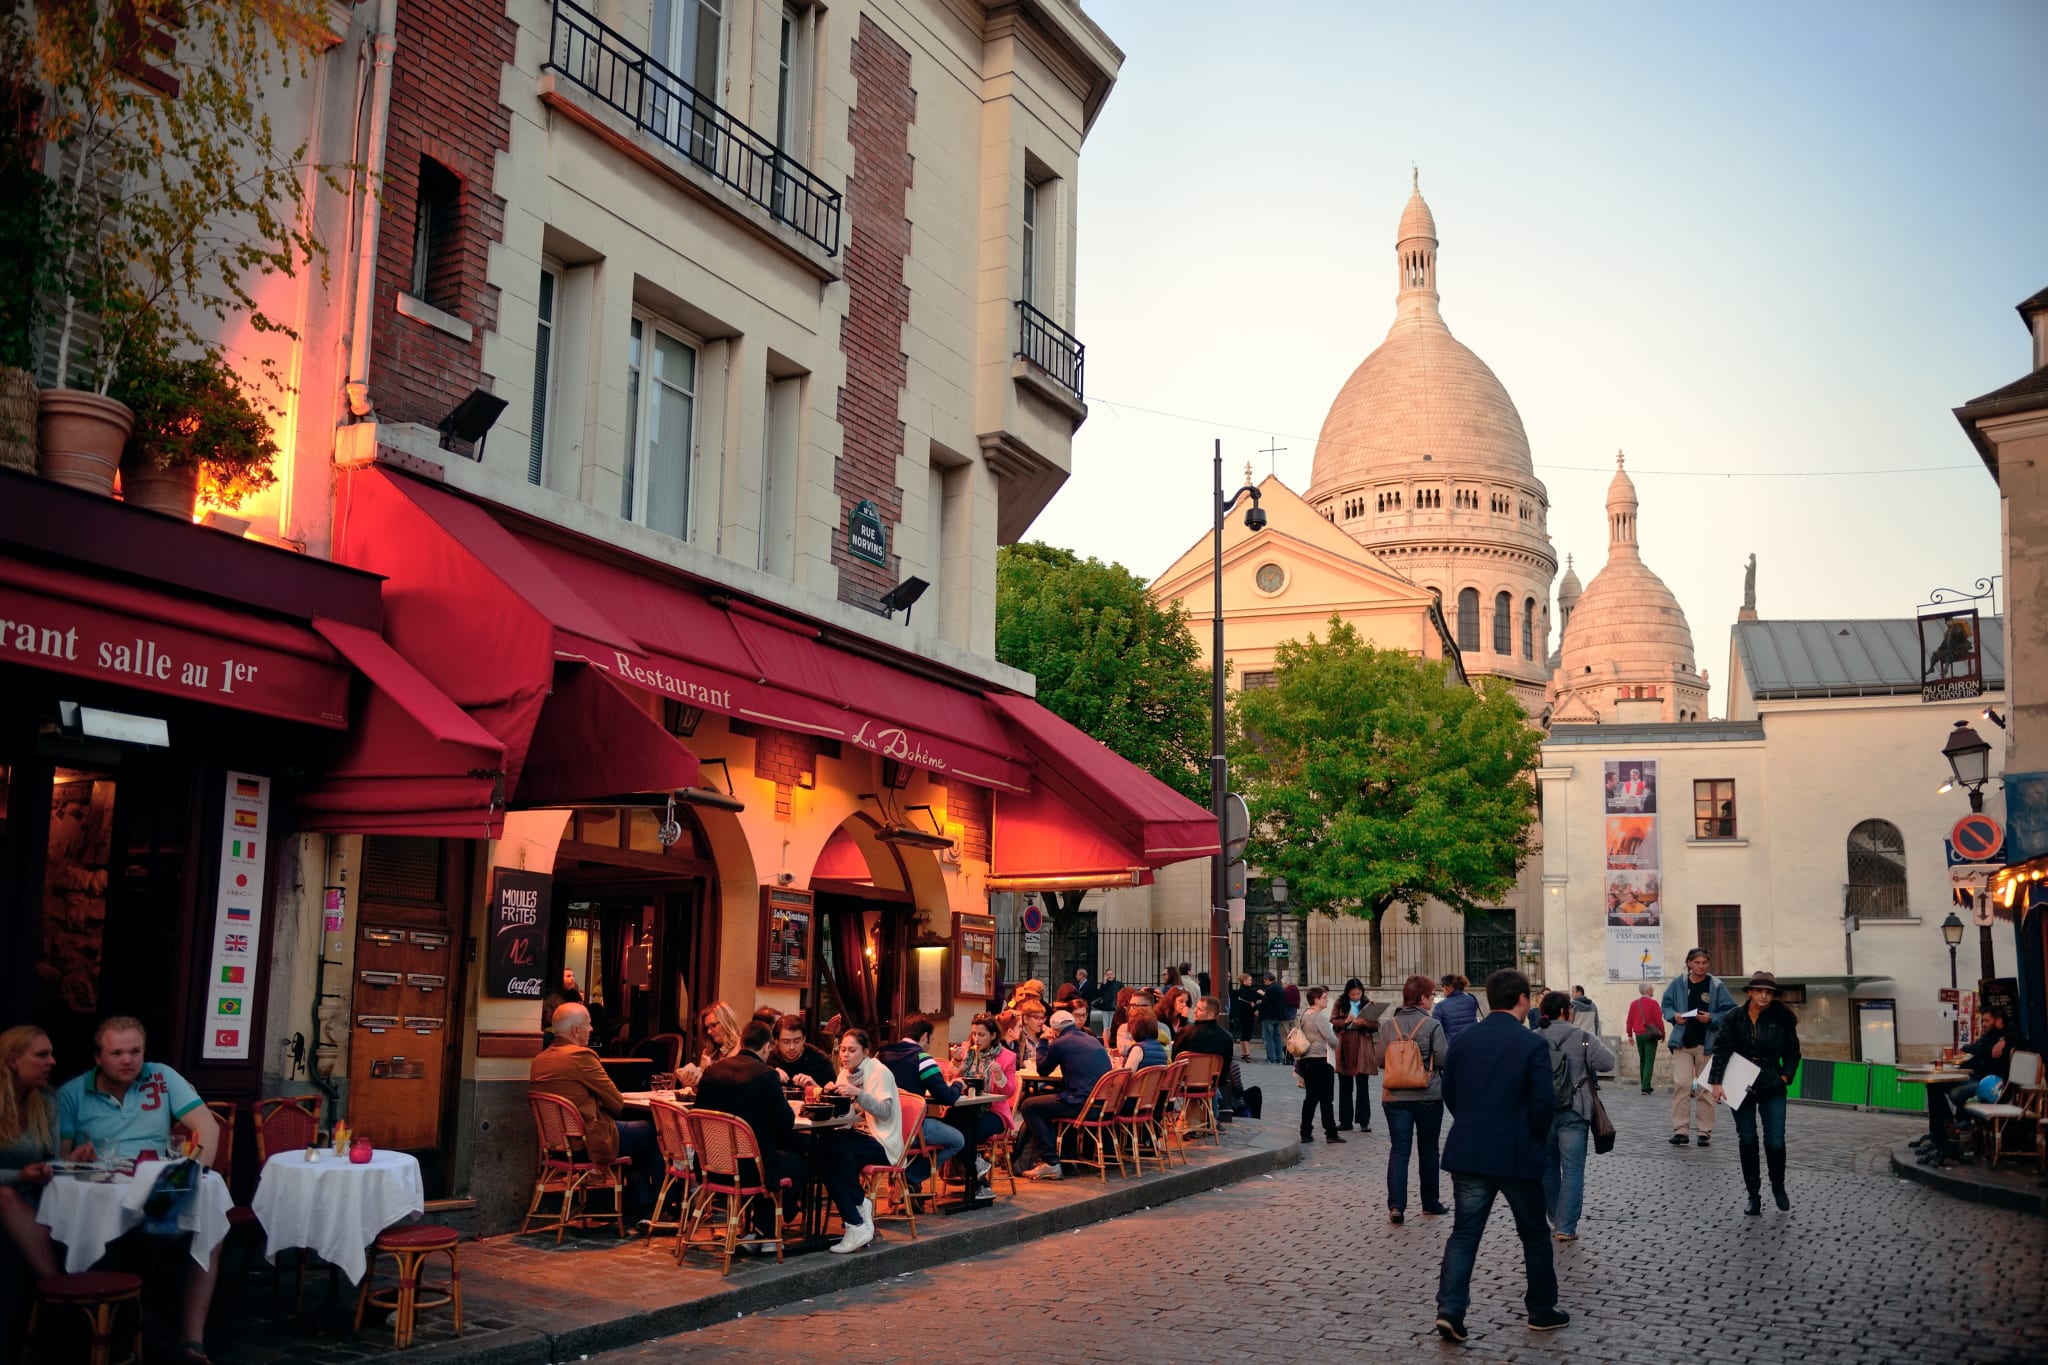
(85, 1216)
(335, 1207)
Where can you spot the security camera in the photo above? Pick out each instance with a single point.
(1255, 519)
(784, 878)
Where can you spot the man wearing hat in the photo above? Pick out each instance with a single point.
(1080, 1061)
(1766, 1032)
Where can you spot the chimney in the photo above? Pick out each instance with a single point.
(2034, 312)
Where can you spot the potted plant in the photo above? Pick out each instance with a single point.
(196, 429)
(170, 201)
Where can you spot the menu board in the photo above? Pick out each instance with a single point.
(518, 929)
(974, 950)
(237, 918)
(789, 918)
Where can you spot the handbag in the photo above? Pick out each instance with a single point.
(1603, 1126)
(1297, 1043)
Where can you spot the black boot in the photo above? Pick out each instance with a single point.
(1776, 1157)
(1752, 1177)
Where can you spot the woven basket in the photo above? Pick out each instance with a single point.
(17, 420)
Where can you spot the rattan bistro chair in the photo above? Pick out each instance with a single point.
(678, 1147)
(1097, 1123)
(567, 1170)
(1168, 1117)
(894, 1180)
(1198, 1096)
(725, 1145)
(1139, 1116)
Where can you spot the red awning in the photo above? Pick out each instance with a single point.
(97, 628)
(594, 742)
(1093, 812)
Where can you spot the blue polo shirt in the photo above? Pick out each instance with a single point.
(139, 1119)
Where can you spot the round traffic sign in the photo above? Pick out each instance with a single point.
(1034, 919)
(1977, 837)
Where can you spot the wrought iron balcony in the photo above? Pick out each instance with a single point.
(1050, 347)
(597, 59)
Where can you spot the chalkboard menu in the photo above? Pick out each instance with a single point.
(518, 930)
(974, 953)
(788, 920)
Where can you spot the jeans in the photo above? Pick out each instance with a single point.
(1944, 1102)
(838, 1161)
(1472, 1196)
(1039, 1112)
(1406, 1121)
(1320, 1077)
(1272, 1029)
(643, 1178)
(945, 1141)
(1564, 1170)
(1347, 1087)
(1646, 1053)
(1773, 1110)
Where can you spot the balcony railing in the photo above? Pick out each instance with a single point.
(589, 54)
(1050, 347)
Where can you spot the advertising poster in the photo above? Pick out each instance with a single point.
(518, 927)
(1633, 884)
(237, 918)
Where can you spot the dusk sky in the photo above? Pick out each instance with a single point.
(1765, 249)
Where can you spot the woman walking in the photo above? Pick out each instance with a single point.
(1564, 1150)
(1244, 1014)
(1313, 1066)
(1458, 1010)
(1415, 1115)
(1357, 1057)
(1767, 1033)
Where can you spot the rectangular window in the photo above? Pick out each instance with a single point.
(688, 40)
(436, 276)
(1254, 681)
(661, 397)
(779, 465)
(1030, 287)
(1713, 808)
(1720, 933)
(543, 374)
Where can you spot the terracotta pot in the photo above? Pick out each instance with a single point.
(81, 438)
(18, 403)
(144, 483)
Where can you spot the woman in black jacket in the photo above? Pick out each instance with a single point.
(1766, 1033)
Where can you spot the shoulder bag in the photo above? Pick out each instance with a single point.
(1603, 1127)
(1296, 1044)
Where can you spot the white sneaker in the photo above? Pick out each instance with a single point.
(1044, 1172)
(857, 1236)
(867, 1211)
(982, 1167)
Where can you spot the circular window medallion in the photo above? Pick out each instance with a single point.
(1270, 578)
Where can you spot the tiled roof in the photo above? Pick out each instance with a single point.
(1784, 659)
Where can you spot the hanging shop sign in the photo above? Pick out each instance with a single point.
(1951, 656)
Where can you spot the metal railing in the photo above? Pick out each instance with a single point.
(596, 58)
(1049, 346)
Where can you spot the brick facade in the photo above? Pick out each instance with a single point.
(877, 303)
(782, 756)
(972, 808)
(445, 79)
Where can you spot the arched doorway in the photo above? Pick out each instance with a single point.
(867, 909)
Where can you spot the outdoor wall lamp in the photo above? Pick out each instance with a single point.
(1969, 759)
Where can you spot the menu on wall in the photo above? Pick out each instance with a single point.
(518, 929)
(974, 949)
(237, 918)
(788, 920)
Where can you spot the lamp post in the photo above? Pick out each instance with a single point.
(1219, 765)
(1969, 762)
(1952, 933)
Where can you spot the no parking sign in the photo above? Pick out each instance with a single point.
(1977, 838)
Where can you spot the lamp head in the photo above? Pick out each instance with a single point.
(1969, 757)
(1952, 929)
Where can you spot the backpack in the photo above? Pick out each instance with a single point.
(1403, 1066)
(1561, 1086)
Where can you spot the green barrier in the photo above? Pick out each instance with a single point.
(1888, 1092)
(1852, 1084)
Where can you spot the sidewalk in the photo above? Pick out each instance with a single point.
(524, 1300)
(2008, 1187)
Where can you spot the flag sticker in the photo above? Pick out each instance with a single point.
(242, 850)
(235, 943)
(239, 912)
(227, 1037)
(233, 976)
(230, 1004)
(246, 819)
(248, 789)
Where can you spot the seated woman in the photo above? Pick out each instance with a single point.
(721, 1030)
(993, 1067)
(28, 1139)
(1144, 1047)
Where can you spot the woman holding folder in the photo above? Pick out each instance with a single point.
(1356, 1020)
(1765, 1033)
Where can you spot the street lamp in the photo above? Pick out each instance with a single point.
(1219, 765)
(1969, 759)
(1952, 933)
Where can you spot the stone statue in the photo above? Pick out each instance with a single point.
(1749, 584)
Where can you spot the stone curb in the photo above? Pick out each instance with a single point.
(1971, 1184)
(812, 1275)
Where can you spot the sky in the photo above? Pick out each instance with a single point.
(1765, 249)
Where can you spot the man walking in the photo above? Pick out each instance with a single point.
(1496, 1084)
(1645, 1028)
(1693, 1005)
(1273, 1017)
(1585, 1014)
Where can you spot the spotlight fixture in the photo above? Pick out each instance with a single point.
(902, 597)
(1991, 714)
(471, 421)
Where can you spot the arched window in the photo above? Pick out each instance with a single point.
(1529, 628)
(1877, 870)
(1468, 618)
(1503, 624)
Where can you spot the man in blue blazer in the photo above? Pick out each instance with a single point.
(1496, 1084)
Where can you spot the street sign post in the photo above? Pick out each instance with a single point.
(1237, 818)
(1278, 949)
(1977, 838)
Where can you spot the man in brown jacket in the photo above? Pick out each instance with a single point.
(571, 1070)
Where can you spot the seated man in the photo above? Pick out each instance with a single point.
(746, 1086)
(1990, 1054)
(1207, 1034)
(794, 1056)
(125, 1106)
(917, 1073)
(570, 1069)
(1080, 1061)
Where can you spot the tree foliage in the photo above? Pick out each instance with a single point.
(1375, 780)
(1108, 659)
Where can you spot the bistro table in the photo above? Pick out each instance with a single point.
(85, 1215)
(816, 1201)
(335, 1207)
(970, 1107)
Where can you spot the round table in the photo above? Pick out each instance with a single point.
(85, 1215)
(335, 1207)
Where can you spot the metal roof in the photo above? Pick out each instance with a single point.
(1655, 732)
(1785, 659)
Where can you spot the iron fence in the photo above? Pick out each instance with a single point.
(597, 58)
(1049, 346)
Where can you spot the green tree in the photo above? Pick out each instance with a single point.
(1376, 780)
(1109, 659)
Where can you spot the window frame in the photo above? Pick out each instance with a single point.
(1885, 899)
(639, 388)
(1718, 929)
(547, 332)
(1703, 823)
(1504, 624)
(1468, 642)
(1029, 235)
(1529, 628)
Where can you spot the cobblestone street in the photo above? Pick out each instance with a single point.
(1303, 1265)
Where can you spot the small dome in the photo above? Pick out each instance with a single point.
(1626, 624)
(1416, 220)
(1569, 587)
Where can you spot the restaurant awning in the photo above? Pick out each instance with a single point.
(595, 742)
(1093, 812)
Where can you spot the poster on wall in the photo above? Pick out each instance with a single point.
(1633, 883)
(788, 926)
(237, 918)
(517, 929)
(974, 957)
